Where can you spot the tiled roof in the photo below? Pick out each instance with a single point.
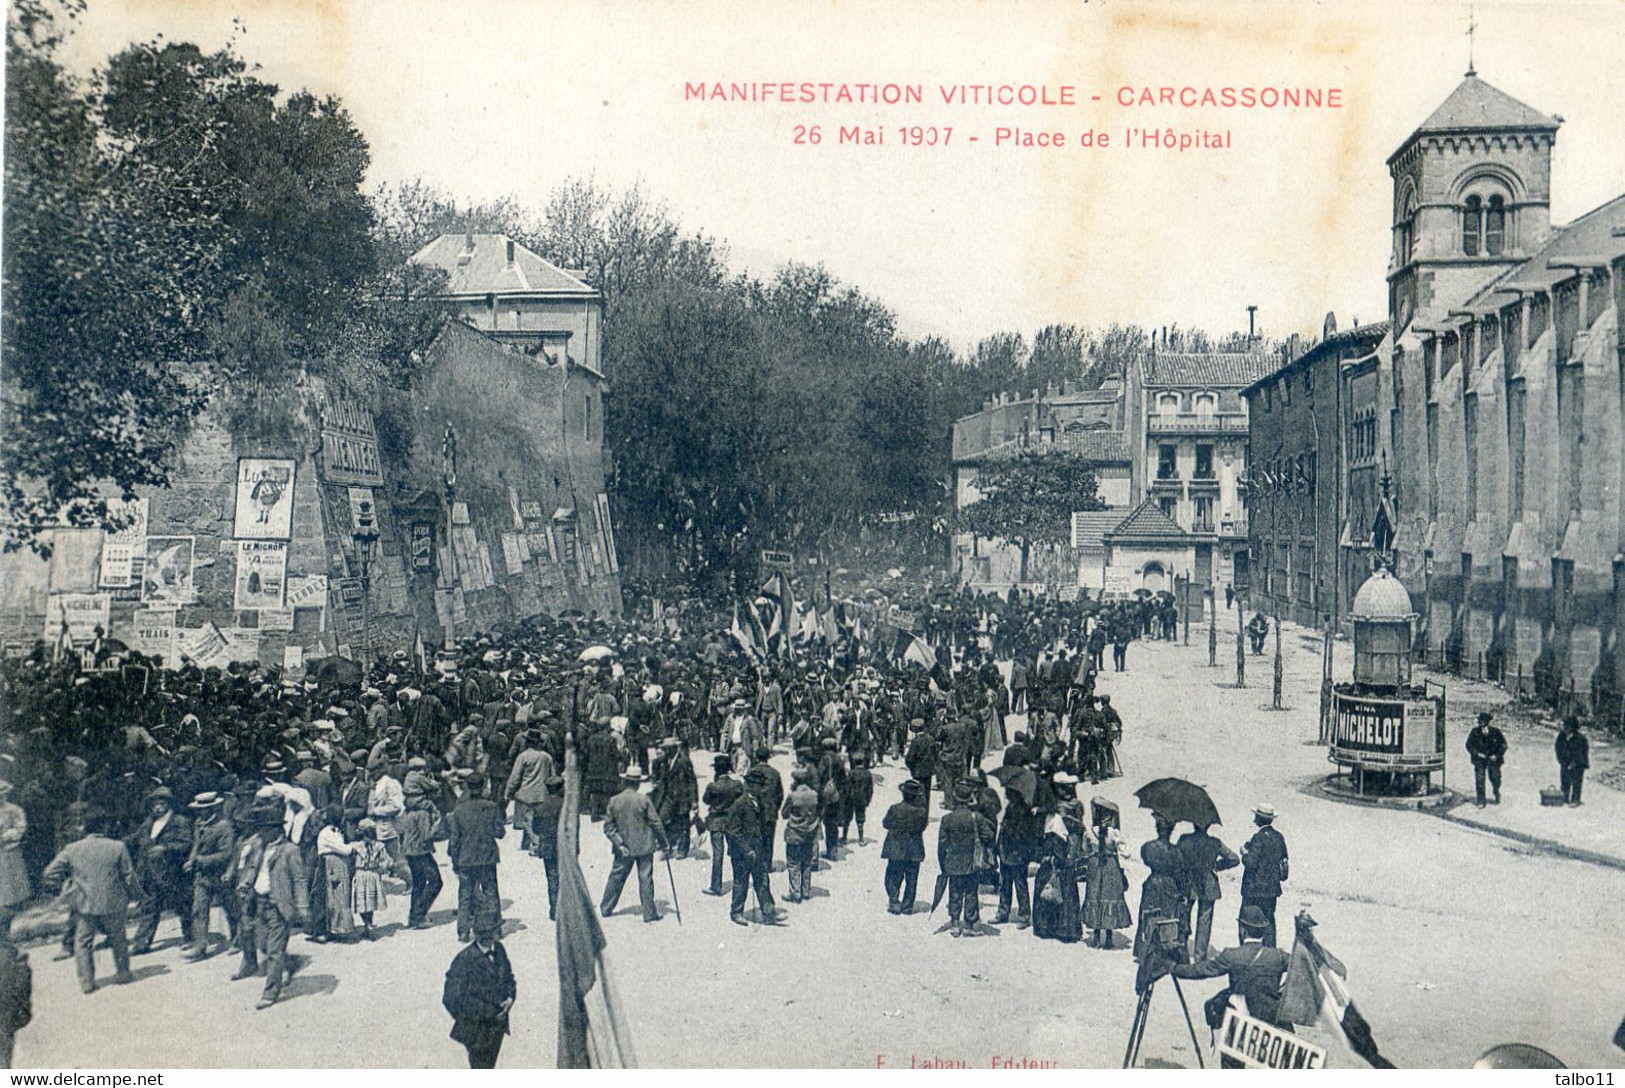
(1590, 236)
(1475, 105)
(1207, 369)
(1101, 447)
(1091, 526)
(1147, 522)
(1362, 338)
(484, 269)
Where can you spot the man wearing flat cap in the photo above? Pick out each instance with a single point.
(634, 831)
(160, 849)
(1263, 869)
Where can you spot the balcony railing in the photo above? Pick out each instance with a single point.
(1192, 423)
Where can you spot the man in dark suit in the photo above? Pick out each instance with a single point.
(282, 902)
(101, 879)
(1263, 869)
(745, 821)
(959, 838)
(1487, 748)
(547, 839)
(720, 794)
(904, 848)
(160, 848)
(1256, 970)
(921, 759)
(474, 828)
(767, 784)
(634, 830)
(1202, 857)
(479, 993)
(1573, 758)
(1020, 832)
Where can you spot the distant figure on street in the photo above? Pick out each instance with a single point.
(1573, 757)
(1263, 869)
(1487, 747)
(479, 993)
(1257, 630)
(634, 830)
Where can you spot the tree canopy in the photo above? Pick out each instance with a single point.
(1030, 498)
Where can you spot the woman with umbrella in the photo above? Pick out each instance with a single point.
(1056, 913)
(1105, 908)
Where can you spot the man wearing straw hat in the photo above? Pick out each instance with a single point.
(212, 846)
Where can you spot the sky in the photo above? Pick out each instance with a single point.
(486, 98)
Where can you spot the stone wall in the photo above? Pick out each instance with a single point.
(228, 566)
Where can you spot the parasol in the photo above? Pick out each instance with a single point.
(1176, 799)
(1020, 781)
(596, 653)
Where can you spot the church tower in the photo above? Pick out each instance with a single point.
(1472, 198)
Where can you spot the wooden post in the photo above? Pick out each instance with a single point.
(1212, 628)
(1241, 648)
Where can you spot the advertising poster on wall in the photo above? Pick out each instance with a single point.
(261, 574)
(120, 549)
(264, 499)
(167, 576)
(74, 560)
(153, 632)
(82, 612)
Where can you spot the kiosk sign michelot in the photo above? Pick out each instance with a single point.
(1259, 1045)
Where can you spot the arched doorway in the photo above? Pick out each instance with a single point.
(1154, 576)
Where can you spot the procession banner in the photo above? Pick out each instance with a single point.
(167, 577)
(261, 574)
(264, 499)
(1257, 1044)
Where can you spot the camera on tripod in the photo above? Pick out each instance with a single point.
(1166, 937)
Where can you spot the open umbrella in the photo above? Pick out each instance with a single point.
(1018, 780)
(596, 653)
(1176, 799)
(339, 670)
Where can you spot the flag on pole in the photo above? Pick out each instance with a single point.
(1315, 994)
(746, 637)
(592, 1032)
(919, 653)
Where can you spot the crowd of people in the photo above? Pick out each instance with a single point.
(299, 804)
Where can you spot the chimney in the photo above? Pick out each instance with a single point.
(468, 241)
(1252, 314)
(510, 252)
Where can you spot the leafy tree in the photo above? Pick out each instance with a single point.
(1030, 498)
(108, 270)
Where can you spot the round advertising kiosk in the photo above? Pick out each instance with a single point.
(1387, 732)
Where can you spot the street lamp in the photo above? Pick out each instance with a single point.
(365, 537)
